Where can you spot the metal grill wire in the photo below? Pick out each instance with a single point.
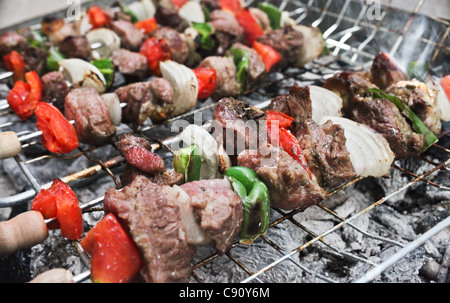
(343, 31)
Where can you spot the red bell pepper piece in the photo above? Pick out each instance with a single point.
(97, 17)
(24, 97)
(284, 120)
(61, 202)
(147, 25)
(58, 135)
(207, 80)
(114, 256)
(233, 6)
(445, 83)
(179, 3)
(14, 63)
(252, 29)
(155, 50)
(268, 54)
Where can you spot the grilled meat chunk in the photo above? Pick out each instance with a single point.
(325, 151)
(226, 75)
(75, 47)
(10, 41)
(226, 30)
(138, 153)
(219, 209)
(256, 69)
(91, 115)
(179, 51)
(168, 177)
(421, 100)
(288, 182)
(167, 15)
(131, 38)
(152, 99)
(384, 72)
(297, 103)
(130, 63)
(287, 41)
(154, 223)
(54, 89)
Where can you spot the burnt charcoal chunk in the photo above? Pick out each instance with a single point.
(91, 115)
(219, 210)
(154, 223)
(289, 184)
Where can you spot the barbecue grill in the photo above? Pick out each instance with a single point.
(301, 245)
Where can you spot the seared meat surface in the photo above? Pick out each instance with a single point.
(130, 63)
(226, 75)
(75, 47)
(54, 89)
(179, 50)
(256, 69)
(168, 177)
(384, 72)
(154, 223)
(226, 30)
(131, 38)
(91, 115)
(297, 103)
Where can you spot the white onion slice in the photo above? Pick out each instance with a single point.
(207, 147)
(324, 103)
(192, 11)
(369, 151)
(314, 44)
(115, 110)
(82, 74)
(144, 9)
(442, 100)
(193, 233)
(108, 39)
(184, 84)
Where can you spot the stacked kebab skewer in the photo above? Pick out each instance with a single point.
(308, 143)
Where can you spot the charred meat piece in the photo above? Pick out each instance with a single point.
(131, 38)
(154, 223)
(237, 125)
(297, 103)
(325, 151)
(219, 209)
(256, 69)
(35, 59)
(130, 63)
(384, 72)
(91, 115)
(10, 41)
(138, 153)
(152, 99)
(288, 182)
(56, 29)
(75, 47)
(287, 41)
(54, 89)
(226, 75)
(421, 100)
(167, 15)
(226, 30)
(169, 177)
(179, 50)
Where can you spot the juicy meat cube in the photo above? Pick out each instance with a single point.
(75, 47)
(226, 75)
(131, 38)
(130, 63)
(54, 89)
(385, 72)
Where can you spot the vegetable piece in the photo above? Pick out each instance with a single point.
(58, 135)
(255, 198)
(252, 29)
(24, 97)
(114, 108)
(324, 102)
(140, 10)
(207, 80)
(445, 83)
(83, 74)
(417, 124)
(204, 30)
(115, 257)
(97, 18)
(179, 3)
(284, 120)
(156, 51)
(54, 56)
(187, 161)
(268, 54)
(241, 59)
(60, 201)
(442, 87)
(184, 84)
(233, 6)
(106, 67)
(108, 40)
(192, 12)
(369, 151)
(147, 25)
(273, 13)
(14, 63)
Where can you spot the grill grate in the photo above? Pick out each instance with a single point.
(353, 40)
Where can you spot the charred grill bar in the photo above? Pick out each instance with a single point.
(353, 42)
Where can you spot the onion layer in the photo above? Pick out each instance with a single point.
(82, 74)
(324, 103)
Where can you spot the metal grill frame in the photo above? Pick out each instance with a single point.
(355, 56)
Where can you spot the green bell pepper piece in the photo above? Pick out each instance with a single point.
(273, 13)
(205, 31)
(241, 59)
(106, 67)
(256, 201)
(54, 56)
(188, 162)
